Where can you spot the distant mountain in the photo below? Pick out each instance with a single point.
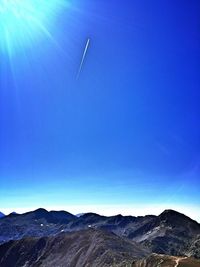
(13, 213)
(1, 215)
(170, 233)
(92, 248)
(34, 224)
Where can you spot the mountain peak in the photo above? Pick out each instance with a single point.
(169, 212)
(176, 218)
(13, 214)
(40, 210)
(90, 214)
(172, 213)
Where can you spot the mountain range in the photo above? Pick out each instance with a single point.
(59, 238)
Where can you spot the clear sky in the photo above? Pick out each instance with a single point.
(122, 138)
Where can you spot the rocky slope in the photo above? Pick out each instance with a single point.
(193, 249)
(155, 260)
(90, 248)
(170, 233)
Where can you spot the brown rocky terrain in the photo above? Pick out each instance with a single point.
(86, 248)
(156, 260)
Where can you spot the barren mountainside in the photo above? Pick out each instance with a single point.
(166, 261)
(58, 238)
(78, 249)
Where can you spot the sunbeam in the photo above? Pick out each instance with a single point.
(22, 22)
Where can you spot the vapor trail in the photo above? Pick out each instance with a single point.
(83, 58)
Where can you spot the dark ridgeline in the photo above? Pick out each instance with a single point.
(42, 238)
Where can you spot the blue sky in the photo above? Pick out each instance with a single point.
(125, 136)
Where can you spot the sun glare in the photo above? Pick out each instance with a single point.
(22, 21)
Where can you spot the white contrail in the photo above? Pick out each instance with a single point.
(83, 58)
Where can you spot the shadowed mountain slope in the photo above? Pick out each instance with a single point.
(169, 233)
(78, 249)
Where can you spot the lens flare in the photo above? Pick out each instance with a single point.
(23, 21)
